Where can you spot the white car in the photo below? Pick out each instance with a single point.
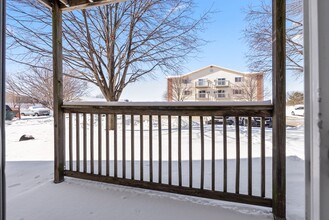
(298, 110)
(35, 111)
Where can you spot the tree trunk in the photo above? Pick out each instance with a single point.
(111, 122)
(111, 116)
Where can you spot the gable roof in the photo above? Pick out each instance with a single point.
(213, 66)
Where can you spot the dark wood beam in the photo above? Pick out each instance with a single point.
(59, 123)
(46, 3)
(65, 3)
(279, 109)
(82, 4)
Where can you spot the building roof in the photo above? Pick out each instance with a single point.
(214, 66)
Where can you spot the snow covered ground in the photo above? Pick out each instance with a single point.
(31, 194)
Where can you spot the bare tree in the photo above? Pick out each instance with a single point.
(110, 46)
(37, 84)
(179, 89)
(258, 35)
(250, 88)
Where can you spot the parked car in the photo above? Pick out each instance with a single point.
(218, 120)
(35, 111)
(10, 114)
(298, 110)
(256, 121)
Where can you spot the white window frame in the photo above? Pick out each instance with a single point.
(202, 82)
(238, 79)
(237, 92)
(202, 93)
(220, 94)
(221, 82)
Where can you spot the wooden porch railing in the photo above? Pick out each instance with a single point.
(172, 147)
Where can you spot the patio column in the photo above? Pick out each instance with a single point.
(279, 114)
(2, 110)
(59, 131)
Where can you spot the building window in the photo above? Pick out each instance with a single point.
(238, 79)
(187, 92)
(220, 94)
(221, 81)
(202, 94)
(202, 82)
(237, 91)
(186, 81)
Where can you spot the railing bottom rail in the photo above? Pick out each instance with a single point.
(230, 197)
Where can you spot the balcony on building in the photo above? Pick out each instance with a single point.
(202, 83)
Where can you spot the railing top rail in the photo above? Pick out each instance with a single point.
(173, 108)
(265, 104)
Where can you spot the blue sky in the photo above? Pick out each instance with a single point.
(227, 48)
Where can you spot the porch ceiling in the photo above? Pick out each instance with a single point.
(69, 5)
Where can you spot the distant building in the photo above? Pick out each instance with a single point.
(214, 83)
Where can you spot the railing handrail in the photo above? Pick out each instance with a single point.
(265, 104)
(264, 108)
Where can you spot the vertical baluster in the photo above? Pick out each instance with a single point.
(141, 139)
(160, 149)
(263, 157)
(190, 153)
(151, 147)
(115, 125)
(212, 153)
(132, 130)
(249, 156)
(180, 150)
(77, 120)
(84, 143)
(237, 165)
(107, 127)
(202, 152)
(225, 152)
(99, 144)
(70, 143)
(92, 143)
(169, 151)
(124, 146)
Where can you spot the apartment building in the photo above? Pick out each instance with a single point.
(215, 83)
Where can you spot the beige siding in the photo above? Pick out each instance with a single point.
(213, 83)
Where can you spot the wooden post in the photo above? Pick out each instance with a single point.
(279, 111)
(2, 110)
(59, 141)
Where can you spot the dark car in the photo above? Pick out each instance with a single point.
(256, 121)
(9, 113)
(218, 120)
